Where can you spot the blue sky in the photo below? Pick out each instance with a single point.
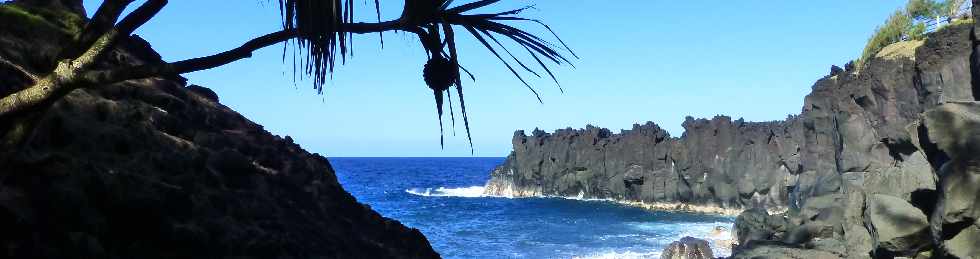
(641, 60)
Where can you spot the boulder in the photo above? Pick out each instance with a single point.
(688, 248)
(757, 224)
(912, 174)
(966, 243)
(856, 234)
(859, 242)
(820, 217)
(899, 227)
(954, 128)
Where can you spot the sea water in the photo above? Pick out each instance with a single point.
(443, 197)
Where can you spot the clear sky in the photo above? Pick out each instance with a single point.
(641, 60)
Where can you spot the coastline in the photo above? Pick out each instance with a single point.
(682, 207)
(505, 189)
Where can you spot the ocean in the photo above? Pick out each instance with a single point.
(443, 198)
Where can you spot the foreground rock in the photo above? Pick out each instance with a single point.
(899, 227)
(778, 250)
(954, 128)
(151, 169)
(757, 224)
(688, 248)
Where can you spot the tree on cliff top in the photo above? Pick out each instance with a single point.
(321, 29)
(910, 24)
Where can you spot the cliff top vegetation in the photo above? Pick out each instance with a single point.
(913, 23)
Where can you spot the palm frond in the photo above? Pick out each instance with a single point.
(321, 41)
(319, 25)
(427, 17)
(476, 34)
(377, 9)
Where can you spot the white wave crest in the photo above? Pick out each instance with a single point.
(718, 234)
(463, 192)
(620, 255)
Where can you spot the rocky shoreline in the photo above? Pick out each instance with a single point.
(881, 161)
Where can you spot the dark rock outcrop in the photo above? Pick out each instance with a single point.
(873, 151)
(757, 224)
(900, 228)
(954, 128)
(152, 169)
(688, 248)
(705, 166)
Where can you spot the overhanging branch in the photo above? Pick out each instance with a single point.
(20, 69)
(220, 59)
(108, 40)
(70, 72)
(101, 23)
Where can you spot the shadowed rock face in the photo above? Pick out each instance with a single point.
(153, 169)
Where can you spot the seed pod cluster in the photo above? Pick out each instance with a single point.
(439, 73)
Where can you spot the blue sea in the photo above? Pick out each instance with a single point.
(443, 198)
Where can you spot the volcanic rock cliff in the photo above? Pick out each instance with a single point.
(155, 168)
(857, 170)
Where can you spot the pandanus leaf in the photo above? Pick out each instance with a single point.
(319, 24)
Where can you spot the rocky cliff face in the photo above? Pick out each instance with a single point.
(852, 127)
(718, 161)
(861, 168)
(153, 168)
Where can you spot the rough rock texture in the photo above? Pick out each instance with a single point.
(688, 248)
(151, 169)
(705, 166)
(899, 227)
(757, 224)
(777, 250)
(954, 128)
(870, 154)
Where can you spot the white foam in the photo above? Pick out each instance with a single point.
(580, 197)
(619, 255)
(706, 231)
(463, 192)
(659, 234)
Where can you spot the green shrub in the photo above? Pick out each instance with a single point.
(924, 9)
(950, 8)
(909, 24)
(896, 28)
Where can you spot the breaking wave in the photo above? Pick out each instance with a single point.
(462, 192)
(620, 255)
